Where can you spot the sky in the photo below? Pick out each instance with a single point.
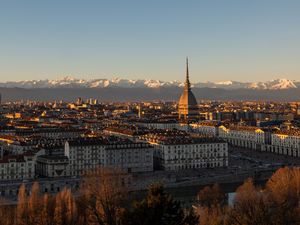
(239, 40)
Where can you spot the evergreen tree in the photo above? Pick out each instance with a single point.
(158, 208)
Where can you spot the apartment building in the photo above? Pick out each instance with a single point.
(17, 167)
(243, 136)
(88, 154)
(174, 152)
(286, 142)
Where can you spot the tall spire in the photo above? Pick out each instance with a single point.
(187, 102)
(187, 80)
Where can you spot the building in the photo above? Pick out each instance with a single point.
(1, 151)
(243, 136)
(278, 141)
(19, 145)
(286, 142)
(166, 124)
(91, 153)
(129, 156)
(175, 150)
(131, 132)
(187, 107)
(199, 153)
(17, 167)
(52, 166)
(205, 128)
(53, 133)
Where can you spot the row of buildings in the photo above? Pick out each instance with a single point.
(275, 140)
(174, 150)
(155, 150)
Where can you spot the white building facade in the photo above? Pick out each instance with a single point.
(89, 154)
(191, 155)
(205, 129)
(244, 137)
(285, 142)
(17, 167)
(178, 151)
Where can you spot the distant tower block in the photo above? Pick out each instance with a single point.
(188, 106)
(140, 110)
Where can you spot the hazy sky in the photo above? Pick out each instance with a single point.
(239, 40)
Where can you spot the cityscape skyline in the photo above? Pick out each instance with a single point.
(230, 40)
(158, 112)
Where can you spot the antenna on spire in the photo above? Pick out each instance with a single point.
(187, 68)
(187, 81)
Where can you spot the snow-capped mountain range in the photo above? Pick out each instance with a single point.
(70, 82)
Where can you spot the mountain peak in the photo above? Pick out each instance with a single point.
(71, 82)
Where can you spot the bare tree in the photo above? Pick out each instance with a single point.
(210, 209)
(250, 207)
(284, 196)
(102, 193)
(65, 212)
(34, 205)
(22, 210)
(47, 210)
(211, 196)
(7, 213)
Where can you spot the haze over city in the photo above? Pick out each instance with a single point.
(225, 40)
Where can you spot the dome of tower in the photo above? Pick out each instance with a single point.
(188, 99)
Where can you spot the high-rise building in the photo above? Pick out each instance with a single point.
(188, 106)
(297, 110)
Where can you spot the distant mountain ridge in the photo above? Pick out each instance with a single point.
(70, 82)
(119, 94)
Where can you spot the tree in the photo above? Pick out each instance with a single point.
(284, 196)
(210, 209)
(34, 205)
(102, 194)
(65, 212)
(190, 217)
(250, 206)
(22, 210)
(7, 213)
(211, 196)
(47, 210)
(216, 215)
(158, 208)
